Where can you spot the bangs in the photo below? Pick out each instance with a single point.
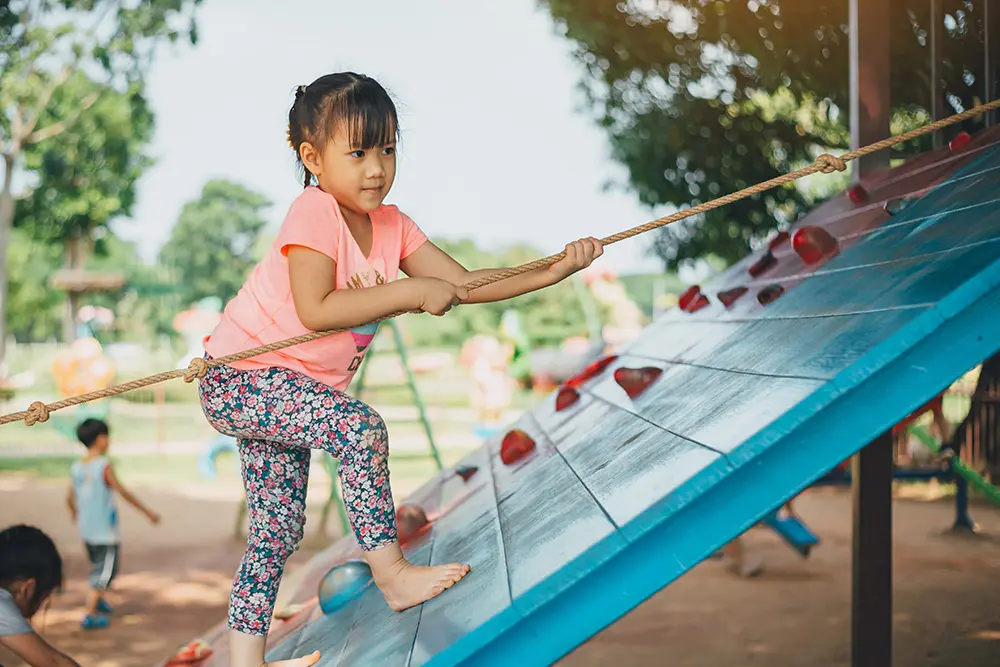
(369, 115)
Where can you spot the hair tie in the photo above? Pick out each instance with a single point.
(288, 136)
(302, 90)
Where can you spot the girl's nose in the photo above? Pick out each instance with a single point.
(375, 169)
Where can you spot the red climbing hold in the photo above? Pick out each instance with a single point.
(635, 380)
(410, 520)
(778, 241)
(765, 263)
(960, 141)
(466, 472)
(769, 294)
(729, 297)
(857, 194)
(688, 297)
(814, 244)
(593, 370)
(515, 446)
(192, 653)
(566, 397)
(698, 304)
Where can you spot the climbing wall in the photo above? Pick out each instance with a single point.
(762, 381)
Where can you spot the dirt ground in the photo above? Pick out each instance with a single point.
(175, 579)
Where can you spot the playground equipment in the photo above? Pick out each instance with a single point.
(625, 491)
(80, 368)
(714, 418)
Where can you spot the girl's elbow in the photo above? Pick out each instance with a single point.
(309, 317)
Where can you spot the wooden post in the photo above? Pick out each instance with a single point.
(871, 612)
(935, 49)
(869, 81)
(991, 43)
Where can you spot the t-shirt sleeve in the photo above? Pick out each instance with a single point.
(413, 238)
(311, 222)
(11, 621)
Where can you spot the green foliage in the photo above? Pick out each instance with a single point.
(212, 247)
(86, 177)
(34, 309)
(73, 121)
(549, 315)
(700, 98)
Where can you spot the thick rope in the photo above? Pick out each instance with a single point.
(198, 368)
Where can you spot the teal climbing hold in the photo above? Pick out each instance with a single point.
(342, 584)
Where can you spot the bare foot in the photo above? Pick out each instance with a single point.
(304, 661)
(410, 585)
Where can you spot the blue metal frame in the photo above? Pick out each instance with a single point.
(963, 519)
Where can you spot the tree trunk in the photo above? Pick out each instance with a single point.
(73, 259)
(6, 222)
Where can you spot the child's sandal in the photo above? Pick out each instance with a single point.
(94, 622)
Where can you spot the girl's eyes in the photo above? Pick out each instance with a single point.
(388, 150)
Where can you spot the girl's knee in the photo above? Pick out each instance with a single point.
(371, 437)
(272, 537)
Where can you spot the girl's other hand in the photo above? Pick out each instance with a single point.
(437, 297)
(579, 255)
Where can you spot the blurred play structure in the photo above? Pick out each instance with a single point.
(195, 324)
(82, 367)
(613, 320)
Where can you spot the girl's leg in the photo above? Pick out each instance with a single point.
(282, 405)
(275, 478)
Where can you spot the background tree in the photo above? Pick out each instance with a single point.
(85, 178)
(703, 97)
(213, 246)
(47, 49)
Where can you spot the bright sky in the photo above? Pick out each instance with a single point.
(493, 148)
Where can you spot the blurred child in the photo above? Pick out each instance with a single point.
(92, 506)
(492, 386)
(30, 571)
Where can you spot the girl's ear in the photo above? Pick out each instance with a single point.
(310, 158)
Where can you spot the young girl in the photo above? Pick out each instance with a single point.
(333, 265)
(30, 571)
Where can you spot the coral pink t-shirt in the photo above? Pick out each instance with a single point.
(263, 311)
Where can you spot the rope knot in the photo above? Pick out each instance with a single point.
(830, 163)
(197, 369)
(37, 413)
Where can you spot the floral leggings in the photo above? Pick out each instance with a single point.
(278, 415)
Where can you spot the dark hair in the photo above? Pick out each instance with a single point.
(345, 97)
(28, 553)
(88, 431)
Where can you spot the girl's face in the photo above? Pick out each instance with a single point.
(359, 179)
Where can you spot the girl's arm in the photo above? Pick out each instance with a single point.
(321, 306)
(430, 261)
(37, 652)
